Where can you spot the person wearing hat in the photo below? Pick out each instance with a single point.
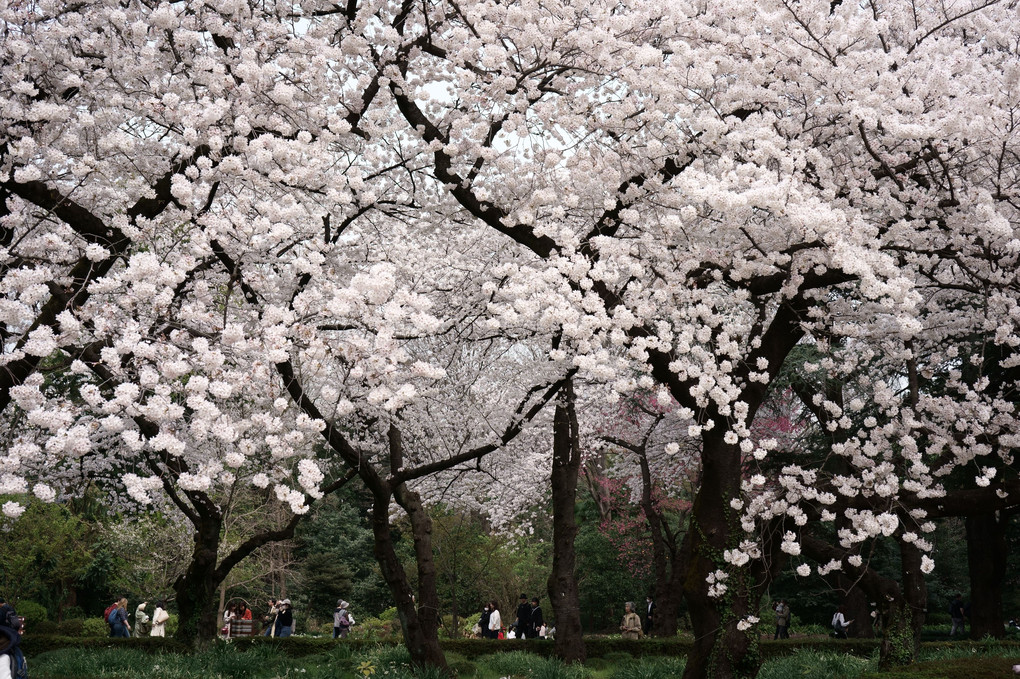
(341, 620)
(285, 620)
(523, 623)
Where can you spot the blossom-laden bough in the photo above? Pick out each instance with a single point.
(237, 223)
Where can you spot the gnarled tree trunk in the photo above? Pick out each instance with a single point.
(195, 591)
(720, 649)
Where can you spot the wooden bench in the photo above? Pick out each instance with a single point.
(243, 628)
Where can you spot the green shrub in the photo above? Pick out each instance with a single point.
(32, 612)
(475, 648)
(857, 647)
(171, 624)
(94, 627)
(73, 627)
(384, 628)
(35, 644)
(74, 613)
(41, 627)
(291, 647)
(228, 661)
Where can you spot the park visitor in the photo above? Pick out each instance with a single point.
(630, 628)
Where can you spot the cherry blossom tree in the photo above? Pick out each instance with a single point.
(239, 223)
(714, 182)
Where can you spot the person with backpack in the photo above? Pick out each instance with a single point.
(341, 620)
(12, 661)
(840, 623)
(108, 612)
(119, 620)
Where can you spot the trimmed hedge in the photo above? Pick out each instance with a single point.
(471, 649)
(957, 668)
(301, 647)
(33, 644)
(603, 647)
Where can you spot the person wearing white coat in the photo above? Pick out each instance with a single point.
(495, 623)
(159, 618)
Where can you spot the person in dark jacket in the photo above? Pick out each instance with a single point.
(483, 621)
(285, 620)
(649, 614)
(8, 617)
(11, 656)
(536, 619)
(523, 623)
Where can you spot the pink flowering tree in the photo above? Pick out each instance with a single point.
(646, 482)
(210, 245)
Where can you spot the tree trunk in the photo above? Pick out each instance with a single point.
(667, 594)
(668, 597)
(197, 624)
(987, 551)
(423, 650)
(428, 596)
(720, 649)
(905, 612)
(563, 591)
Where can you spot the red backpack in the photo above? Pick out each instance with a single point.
(106, 613)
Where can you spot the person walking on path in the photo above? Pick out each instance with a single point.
(141, 620)
(840, 623)
(957, 613)
(649, 613)
(630, 628)
(495, 622)
(483, 622)
(523, 622)
(341, 620)
(159, 618)
(119, 620)
(8, 616)
(269, 619)
(782, 610)
(536, 619)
